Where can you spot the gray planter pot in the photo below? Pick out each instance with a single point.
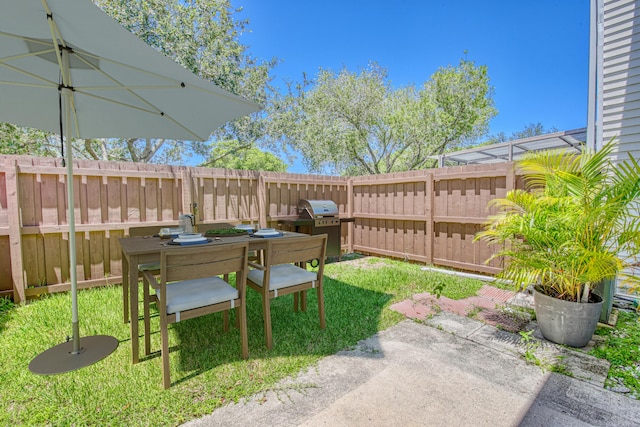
(566, 322)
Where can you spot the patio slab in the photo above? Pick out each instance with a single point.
(490, 319)
(414, 374)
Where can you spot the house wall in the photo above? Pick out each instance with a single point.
(621, 85)
(621, 76)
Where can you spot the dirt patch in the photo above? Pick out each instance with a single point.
(362, 261)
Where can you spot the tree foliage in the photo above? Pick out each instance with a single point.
(203, 36)
(18, 140)
(532, 129)
(234, 155)
(357, 123)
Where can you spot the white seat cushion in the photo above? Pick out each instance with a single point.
(283, 276)
(151, 266)
(190, 294)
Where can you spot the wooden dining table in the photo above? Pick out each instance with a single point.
(143, 250)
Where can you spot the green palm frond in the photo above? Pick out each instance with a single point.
(576, 224)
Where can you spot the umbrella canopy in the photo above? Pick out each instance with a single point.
(120, 86)
(111, 85)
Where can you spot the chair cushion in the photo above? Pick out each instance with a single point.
(283, 276)
(151, 266)
(190, 294)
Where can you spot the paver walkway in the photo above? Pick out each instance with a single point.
(491, 305)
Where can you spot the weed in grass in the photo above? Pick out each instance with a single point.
(5, 305)
(517, 313)
(474, 312)
(560, 368)
(530, 347)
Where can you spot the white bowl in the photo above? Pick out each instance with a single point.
(188, 236)
(169, 231)
(267, 232)
(244, 227)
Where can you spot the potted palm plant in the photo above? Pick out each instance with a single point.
(576, 224)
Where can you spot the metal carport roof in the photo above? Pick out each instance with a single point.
(512, 150)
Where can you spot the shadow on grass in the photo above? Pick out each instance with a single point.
(6, 308)
(352, 314)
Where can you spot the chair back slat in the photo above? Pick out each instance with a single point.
(297, 250)
(203, 261)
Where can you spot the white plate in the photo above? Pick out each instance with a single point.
(267, 232)
(189, 236)
(191, 240)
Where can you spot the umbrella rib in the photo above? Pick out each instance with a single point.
(156, 112)
(134, 94)
(27, 85)
(56, 38)
(24, 55)
(35, 76)
(220, 92)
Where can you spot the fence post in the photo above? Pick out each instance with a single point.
(187, 190)
(15, 233)
(262, 201)
(511, 177)
(350, 225)
(429, 237)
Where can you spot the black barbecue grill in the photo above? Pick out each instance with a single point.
(318, 217)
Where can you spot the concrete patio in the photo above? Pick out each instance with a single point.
(445, 370)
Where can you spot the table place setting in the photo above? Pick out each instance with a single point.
(186, 239)
(267, 233)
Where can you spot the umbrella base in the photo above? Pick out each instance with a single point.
(60, 359)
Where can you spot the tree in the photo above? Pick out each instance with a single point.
(233, 155)
(532, 129)
(18, 140)
(203, 36)
(359, 124)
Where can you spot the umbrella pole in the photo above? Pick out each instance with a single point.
(77, 353)
(66, 93)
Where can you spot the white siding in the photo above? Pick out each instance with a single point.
(621, 76)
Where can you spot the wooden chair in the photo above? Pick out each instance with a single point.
(284, 272)
(190, 287)
(152, 266)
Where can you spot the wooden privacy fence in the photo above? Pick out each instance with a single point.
(428, 216)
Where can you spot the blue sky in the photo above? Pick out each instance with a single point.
(536, 51)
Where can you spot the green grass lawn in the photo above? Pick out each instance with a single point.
(207, 370)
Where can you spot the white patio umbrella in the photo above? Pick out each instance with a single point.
(112, 85)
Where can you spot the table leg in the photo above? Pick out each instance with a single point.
(125, 287)
(133, 303)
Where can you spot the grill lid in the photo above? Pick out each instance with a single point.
(317, 208)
